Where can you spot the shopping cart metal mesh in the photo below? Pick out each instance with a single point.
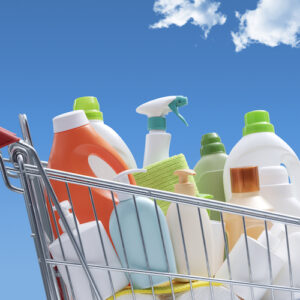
(35, 179)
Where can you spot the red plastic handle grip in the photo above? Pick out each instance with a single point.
(7, 137)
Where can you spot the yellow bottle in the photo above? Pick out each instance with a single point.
(245, 192)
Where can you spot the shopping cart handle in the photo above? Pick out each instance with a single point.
(7, 137)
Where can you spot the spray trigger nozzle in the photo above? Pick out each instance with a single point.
(178, 102)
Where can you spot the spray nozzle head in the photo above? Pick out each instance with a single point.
(178, 102)
(184, 186)
(66, 206)
(157, 109)
(123, 178)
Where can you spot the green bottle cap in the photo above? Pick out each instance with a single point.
(211, 144)
(257, 121)
(91, 107)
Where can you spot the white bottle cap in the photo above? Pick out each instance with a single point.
(66, 206)
(69, 121)
(273, 175)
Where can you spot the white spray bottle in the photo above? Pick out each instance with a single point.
(158, 140)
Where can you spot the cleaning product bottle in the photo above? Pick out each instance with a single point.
(157, 145)
(136, 214)
(91, 107)
(74, 141)
(209, 169)
(257, 271)
(245, 192)
(280, 248)
(94, 253)
(191, 227)
(278, 191)
(261, 147)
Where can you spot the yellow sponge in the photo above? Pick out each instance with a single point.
(165, 289)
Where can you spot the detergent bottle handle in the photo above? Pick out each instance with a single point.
(292, 164)
(111, 157)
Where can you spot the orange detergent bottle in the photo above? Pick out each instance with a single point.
(74, 142)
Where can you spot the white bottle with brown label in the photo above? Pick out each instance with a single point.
(245, 192)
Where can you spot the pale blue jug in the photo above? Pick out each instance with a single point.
(147, 253)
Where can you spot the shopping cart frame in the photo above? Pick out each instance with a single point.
(35, 177)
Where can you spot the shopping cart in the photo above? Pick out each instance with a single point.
(25, 165)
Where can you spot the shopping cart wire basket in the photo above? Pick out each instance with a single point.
(34, 176)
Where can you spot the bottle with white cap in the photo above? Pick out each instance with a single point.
(191, 229)
(157, 145)
(75, 140)
(87, 235)
(144, 233)
(91, 107)
(261, 147)
(276, 188)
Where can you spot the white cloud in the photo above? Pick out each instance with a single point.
(273, 22)
(202, 13)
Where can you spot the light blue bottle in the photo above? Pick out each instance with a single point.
(158, 258)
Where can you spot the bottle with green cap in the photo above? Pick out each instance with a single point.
(91, 107)
(261, 147)
(209, 169)
(157, 145)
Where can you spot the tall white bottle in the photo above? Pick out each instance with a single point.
(90, 106)
(261, 147)
(157, 145)
(94, 254)
(191, 228)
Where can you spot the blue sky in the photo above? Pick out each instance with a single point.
(53, 52)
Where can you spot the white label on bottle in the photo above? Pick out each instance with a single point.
(101, 168)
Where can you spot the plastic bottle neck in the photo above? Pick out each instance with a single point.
(157, 123)
(157, 131)
(96, 121)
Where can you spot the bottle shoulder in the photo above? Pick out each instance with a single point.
(86, 230)
(106, 132)
(212, 162)
(144, 205)
(257, 141)
(252, 200)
